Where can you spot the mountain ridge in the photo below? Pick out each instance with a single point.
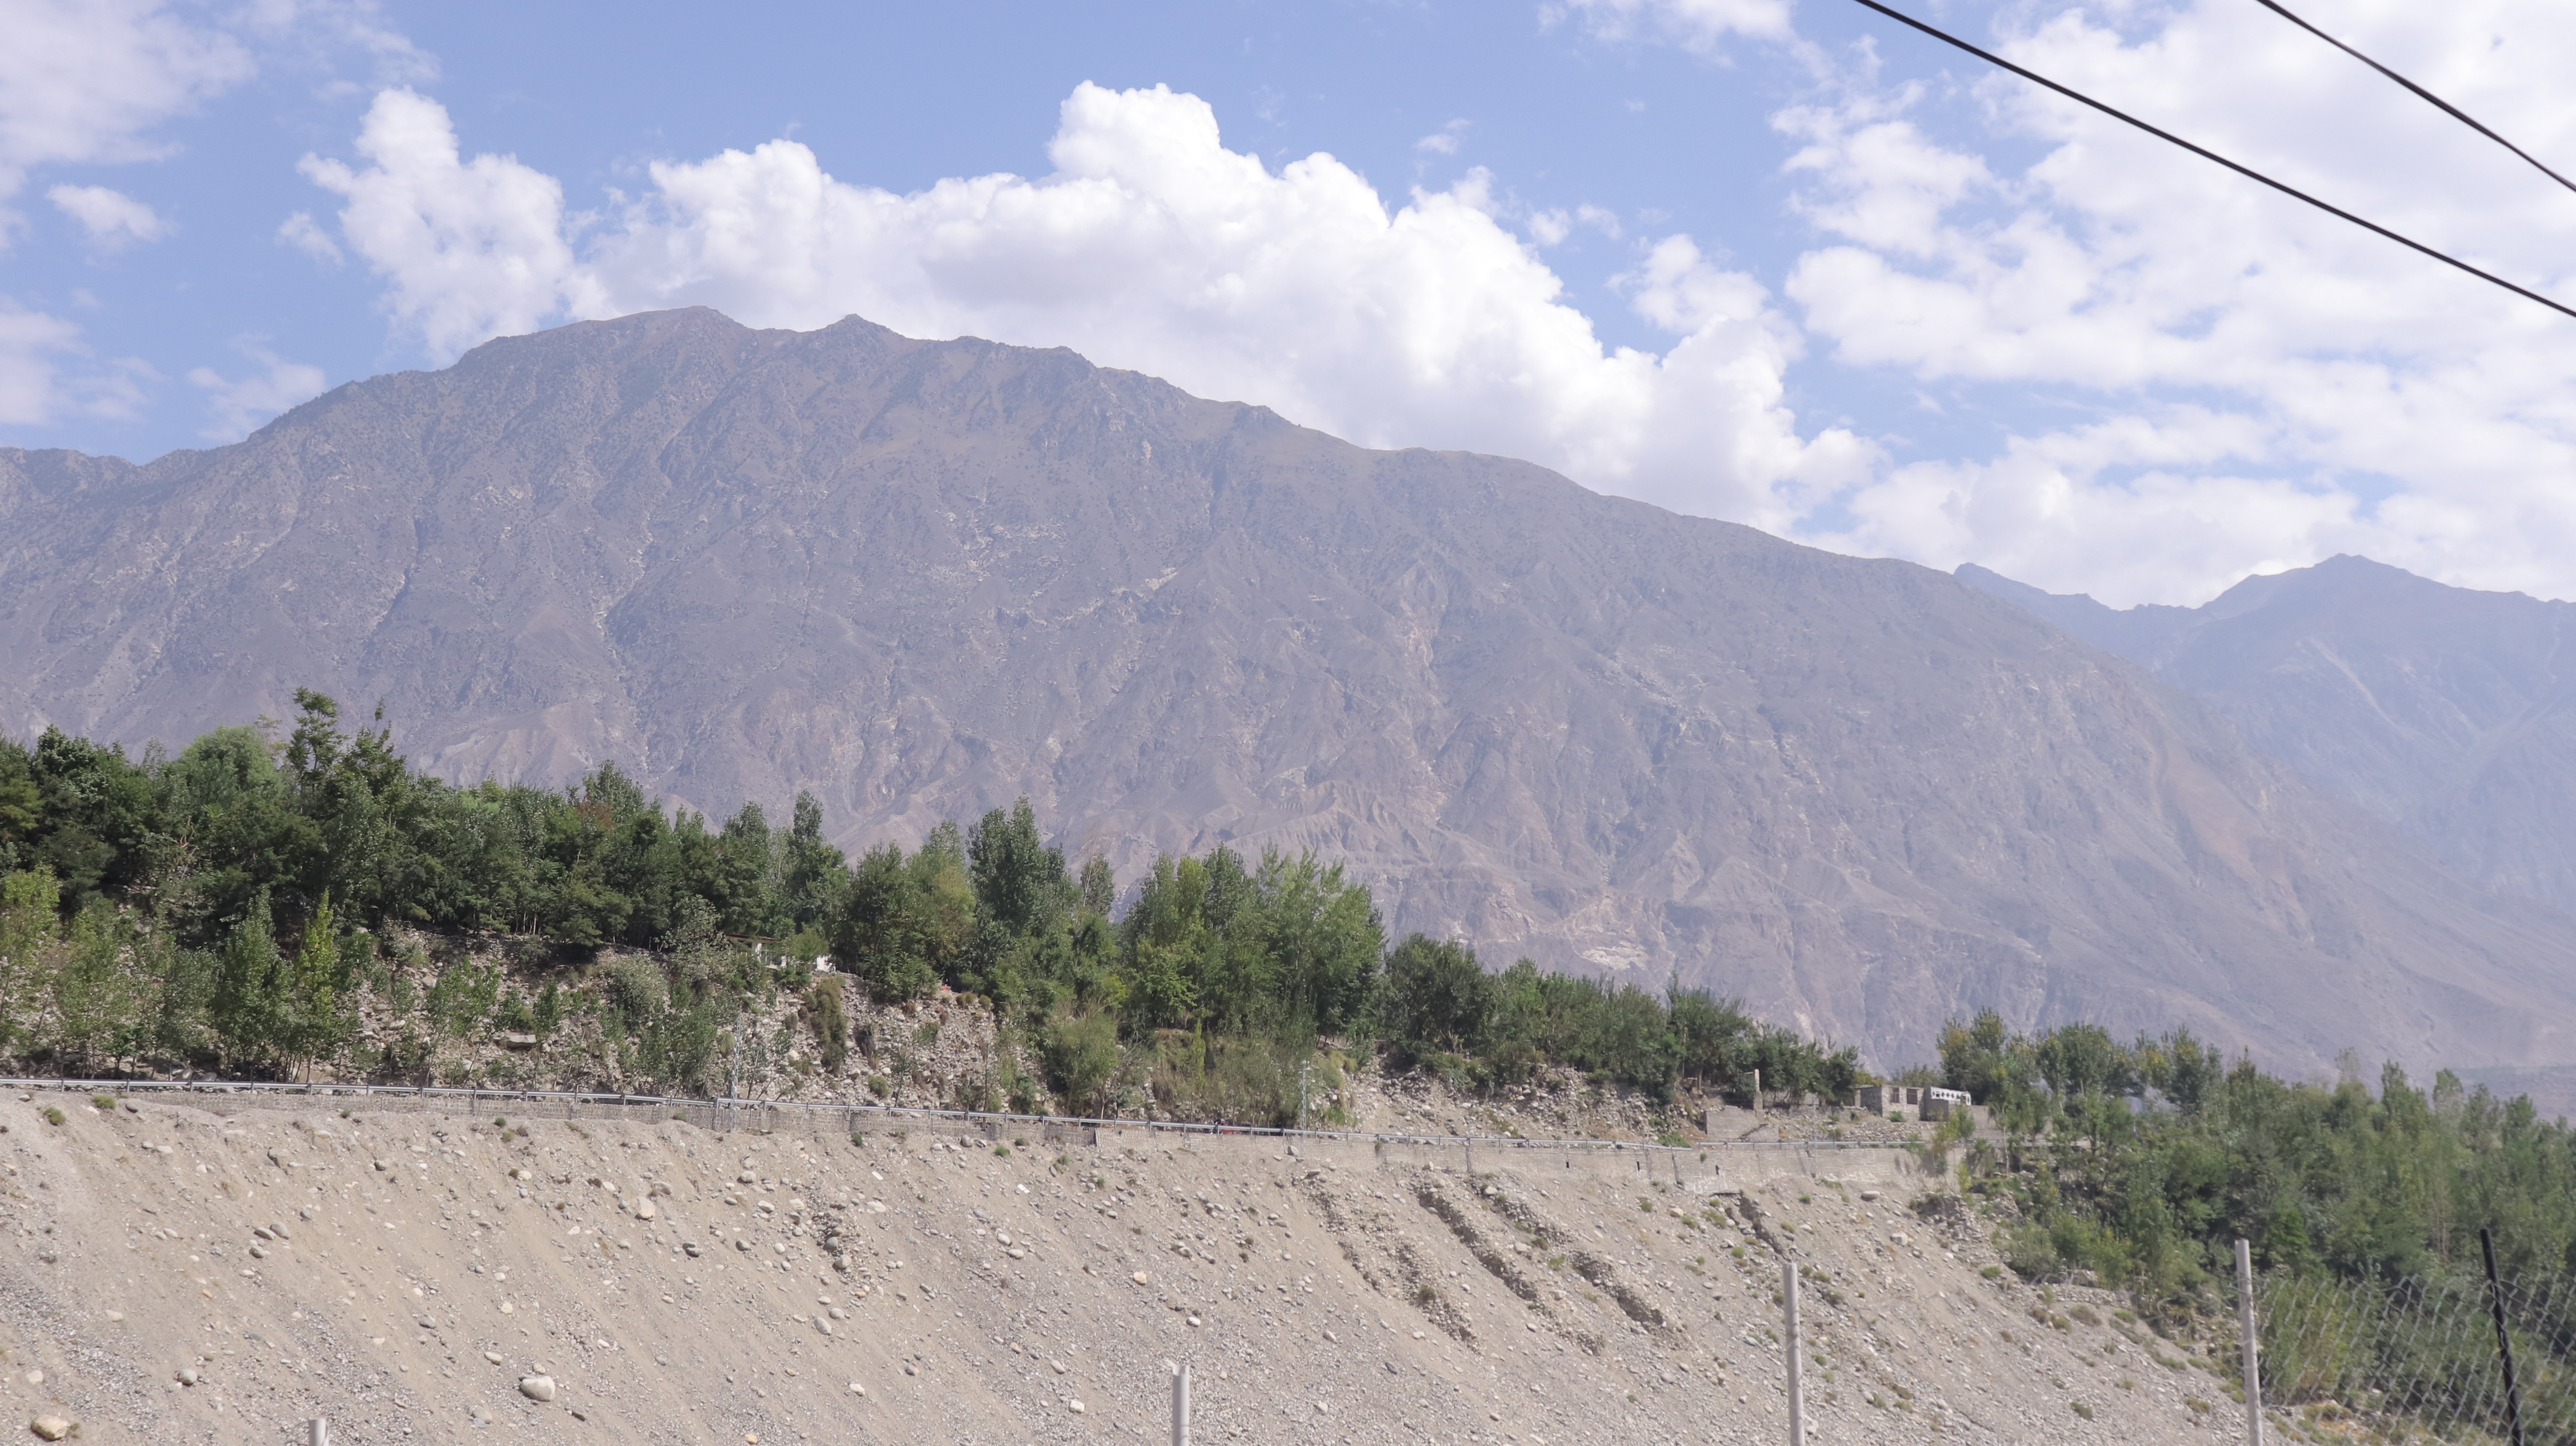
(2448, 712)
(923, 578)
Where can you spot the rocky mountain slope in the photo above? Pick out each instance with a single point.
(2448, 712)
(923, 578)
(180, 1275)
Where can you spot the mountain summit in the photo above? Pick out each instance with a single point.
(922, 578)
(2449, 712)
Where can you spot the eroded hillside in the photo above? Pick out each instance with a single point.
(676, 1284)
(924, 579)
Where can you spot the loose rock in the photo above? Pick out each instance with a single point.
(50, 1428)
(537, 1388)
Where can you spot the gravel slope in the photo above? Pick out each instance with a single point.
(432, 1263)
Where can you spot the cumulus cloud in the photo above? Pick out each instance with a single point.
(2192, 377)
(470, 249)
(235, 406)
(1151, 246)
(112, 218)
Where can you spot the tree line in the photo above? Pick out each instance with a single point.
(2144, 1162)
(229, 907)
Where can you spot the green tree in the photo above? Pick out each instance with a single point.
(248, 1005)
(1437, 999)
(99, 997)
(814, 871)
(312, 1021)
(1099, 887)
(883, 931)
(29, 899)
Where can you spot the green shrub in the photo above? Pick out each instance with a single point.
(830, 1023)
(1080, 1056)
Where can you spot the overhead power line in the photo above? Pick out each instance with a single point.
(2207, 154)
(2454, 112)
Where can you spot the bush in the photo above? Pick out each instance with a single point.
(831, 1025)
(636, 991)
(1080, 1056)
(1436, 999)
(54, 1116)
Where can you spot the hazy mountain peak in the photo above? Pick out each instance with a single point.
(2444, 710)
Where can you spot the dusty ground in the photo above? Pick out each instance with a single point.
(680, 1285)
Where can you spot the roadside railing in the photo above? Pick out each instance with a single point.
(729, 1113)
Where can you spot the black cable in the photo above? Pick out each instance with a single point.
(2454, 112)
(2209, 155)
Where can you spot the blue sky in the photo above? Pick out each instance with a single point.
(1775, 262)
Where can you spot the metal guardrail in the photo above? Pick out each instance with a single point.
(991, 1123)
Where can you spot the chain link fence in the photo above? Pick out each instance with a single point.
(2446, 1358)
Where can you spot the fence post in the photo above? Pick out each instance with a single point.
(1181, 1404)
(2504, 1341)
(2245, 1333)
(1797, 1387)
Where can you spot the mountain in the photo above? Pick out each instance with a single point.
(2448, 712)
(922, 578)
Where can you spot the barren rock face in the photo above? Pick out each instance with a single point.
(1390, 1294)
(924, 578)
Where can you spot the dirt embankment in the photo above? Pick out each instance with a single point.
(674, 1285)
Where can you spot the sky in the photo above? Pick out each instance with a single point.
(1776, 261)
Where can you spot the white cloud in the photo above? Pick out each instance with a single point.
(112, 218)
(46, 372)
(325, 26)
(1553, 227)
(471, 249)
(85, 81)
(2247, 382)
(2195, 377)
(303, 233)
(235, 407)
(29, 340)
(1444, 141)
(1699, 25)
(1152, 247)
(96, 82)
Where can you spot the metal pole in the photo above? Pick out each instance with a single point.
(2245, 1333)
(1797, 1386)
(317, 1432)
(1181, 1405)
(2504, 1341)
(1302, 1071)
